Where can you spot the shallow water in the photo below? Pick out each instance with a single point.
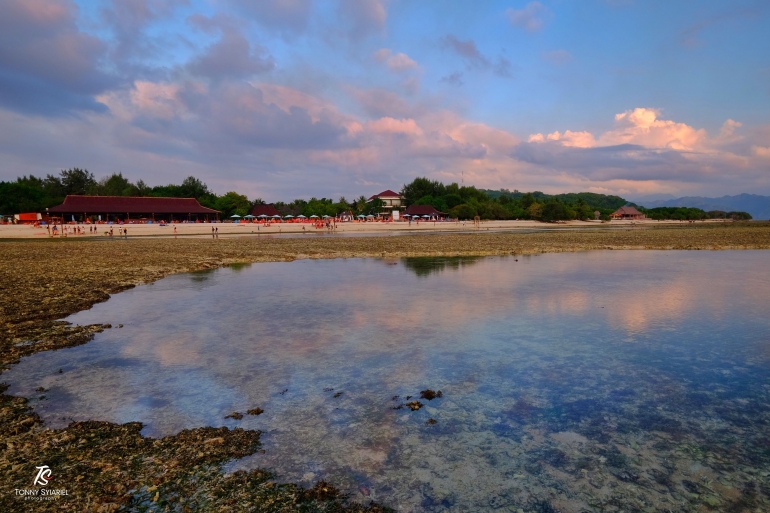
(596, 381)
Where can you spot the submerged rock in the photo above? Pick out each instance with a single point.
(430, 394)
(415, 405)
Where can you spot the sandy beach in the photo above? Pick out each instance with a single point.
(347, 228)
(44, 280)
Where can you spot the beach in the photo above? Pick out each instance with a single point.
(45, 280)
(230, 229)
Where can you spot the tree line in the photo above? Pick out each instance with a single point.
(33, 194)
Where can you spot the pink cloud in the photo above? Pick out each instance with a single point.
(394, 126)
(396, 63)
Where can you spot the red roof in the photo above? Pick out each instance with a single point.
(268, 210)
(386, 194)
(130, 205)
(627, 211)
(423, 210)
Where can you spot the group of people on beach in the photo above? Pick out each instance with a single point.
(53, 230)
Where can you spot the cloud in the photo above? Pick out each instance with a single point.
(531, 18)
(396, 63)
(363, 17)
(232, 56)
(557, 56)
(643, 148)
(467, 50)
(383, 103)
(129, 18)
(503, 67)
(290, 16)
(473, 58)
(690, 36)
(454, 79)
(47, 64)
(394, 126)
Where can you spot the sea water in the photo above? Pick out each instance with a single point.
(593, 381)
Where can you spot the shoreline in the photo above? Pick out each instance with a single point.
(43, 283)
(203, 230)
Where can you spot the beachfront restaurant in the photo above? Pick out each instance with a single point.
(424, 213)
(132, 209)
(627, 212)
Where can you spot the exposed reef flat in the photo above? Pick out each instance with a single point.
(106, 466)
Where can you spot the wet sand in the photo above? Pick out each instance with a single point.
(108, 466)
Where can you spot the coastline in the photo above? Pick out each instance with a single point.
(45, 280)
(228, 229)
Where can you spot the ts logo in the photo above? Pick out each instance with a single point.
(43, 475)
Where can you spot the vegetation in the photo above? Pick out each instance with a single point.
(469, 202)
(33, 194)
(692, 214)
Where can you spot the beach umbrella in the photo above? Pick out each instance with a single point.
(276, 216)
(287, 216)
(426, 216)
(301, 216)
(370, 215)
(360, 215)
(325, 217)
(406, 215)
(314, 216)
(235, 215)
(249, 216)
(261, 215)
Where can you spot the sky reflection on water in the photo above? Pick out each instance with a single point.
(574, 381)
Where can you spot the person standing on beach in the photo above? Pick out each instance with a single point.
(216, 231)
(174, 229)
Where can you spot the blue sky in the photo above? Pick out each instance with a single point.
(291, 98)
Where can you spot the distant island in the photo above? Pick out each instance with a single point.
(756, 205)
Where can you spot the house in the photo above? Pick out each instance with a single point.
(389, 198)
(265, 209)
(126, 208)
(424, 210)
(627, 212)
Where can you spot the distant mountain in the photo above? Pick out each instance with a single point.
(649, 198)
(757, 206)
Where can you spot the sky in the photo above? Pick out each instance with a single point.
(285, 99)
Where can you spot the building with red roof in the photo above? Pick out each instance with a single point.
(389, 198)
(424, 210)
(133, 207)
(265, 209)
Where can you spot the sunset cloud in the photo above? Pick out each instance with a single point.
(293, 98)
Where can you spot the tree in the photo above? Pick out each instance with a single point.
(232, 203)
(193, 188)
(114, 185)
(374, 207)
(535, 210)
(76, 181)
(421, 187)
(463, 212)
(142, 189)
